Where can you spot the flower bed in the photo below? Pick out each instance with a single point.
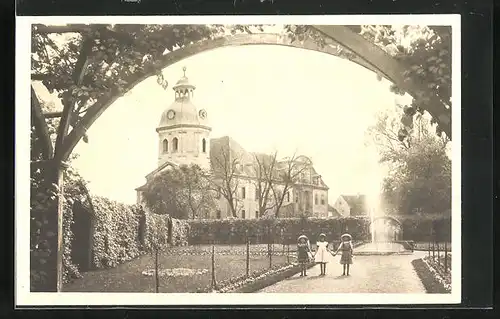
(433, 282)
(438, 270)
(175, 272)
(257, 280)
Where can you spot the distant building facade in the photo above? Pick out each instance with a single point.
(351, 205)
(184, 139)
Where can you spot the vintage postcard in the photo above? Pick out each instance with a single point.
(277, 160)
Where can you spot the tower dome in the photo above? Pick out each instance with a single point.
(183, 129)
(182, 111)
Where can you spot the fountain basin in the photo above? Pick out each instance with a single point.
(382, 248)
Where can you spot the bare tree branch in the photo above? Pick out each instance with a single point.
(288, 177)
(225, 178)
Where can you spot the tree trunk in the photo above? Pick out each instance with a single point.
(47, 253)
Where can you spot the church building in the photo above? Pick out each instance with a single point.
(184, 139)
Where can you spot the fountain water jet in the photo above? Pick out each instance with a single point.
(381, 242)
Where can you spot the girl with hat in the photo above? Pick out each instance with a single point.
(322, 253)
(346, 248)
(303, 251)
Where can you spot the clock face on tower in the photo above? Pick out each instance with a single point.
(171, 114)
(203, 114)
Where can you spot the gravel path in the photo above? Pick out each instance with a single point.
(369, 274)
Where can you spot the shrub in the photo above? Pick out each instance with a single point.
(286, 230)
(115, 232)
(121, 233)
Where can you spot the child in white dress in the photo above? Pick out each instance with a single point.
(321, 256)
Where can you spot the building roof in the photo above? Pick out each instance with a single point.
(225, 148)
(357, 203)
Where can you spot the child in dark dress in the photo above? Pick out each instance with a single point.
(346, 248)
(303, 251)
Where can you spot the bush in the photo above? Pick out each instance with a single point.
(115, 232)
(286, 230)
(121, 233)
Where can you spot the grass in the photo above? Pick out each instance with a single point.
(431, 284)
(128, 277)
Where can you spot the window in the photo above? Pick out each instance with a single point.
(165, 146)
(175, 141)
(256, 195)
(256, 214)
(218, 214)
(243, 193)
(316, 199)
(287, 196)
(204, 145)
(243, 214)
(322, 199)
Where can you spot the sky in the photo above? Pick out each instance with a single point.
(267, 98)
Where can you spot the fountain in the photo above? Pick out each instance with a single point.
(383, 233)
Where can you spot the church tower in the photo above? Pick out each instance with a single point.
(184, 130)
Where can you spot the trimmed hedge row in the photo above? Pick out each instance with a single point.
(120, 233)
(115, 233)
(286, 230)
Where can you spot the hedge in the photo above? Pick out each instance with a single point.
(286, 230)
(120, 233)
(115, 233)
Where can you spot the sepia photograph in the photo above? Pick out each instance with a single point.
(238, 160)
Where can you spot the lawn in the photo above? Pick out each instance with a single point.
(128, 277)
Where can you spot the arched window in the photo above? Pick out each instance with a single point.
(322, 199)
(204, 145)
(165, 146)
(175, 141)
(316, 199)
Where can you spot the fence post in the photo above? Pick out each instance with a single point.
(248, 255)
(438, 254)
(434, 250)
(429, 249)
(214, 282)
(157, 276)
(445, 257)
(288, 253)
(270, 247)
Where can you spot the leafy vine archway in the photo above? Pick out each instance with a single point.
(107, 61)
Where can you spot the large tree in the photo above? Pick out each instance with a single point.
(426, 50)
(182, 192)
(420, 169)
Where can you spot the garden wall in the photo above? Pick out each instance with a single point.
(286, 230)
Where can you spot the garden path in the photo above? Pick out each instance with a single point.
(369, 274)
